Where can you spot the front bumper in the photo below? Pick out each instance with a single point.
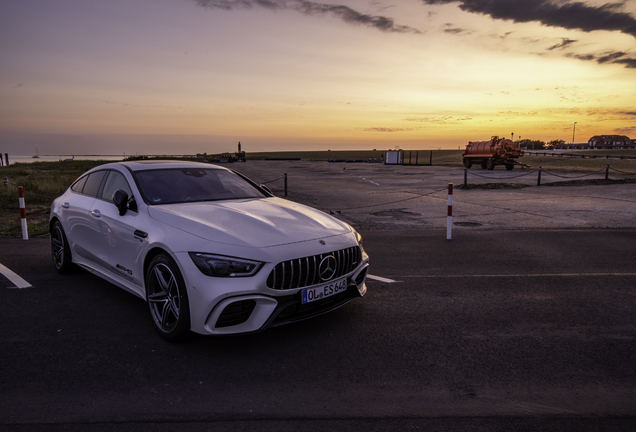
(222, 306)
(253, 312)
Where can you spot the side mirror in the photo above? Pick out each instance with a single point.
(120, 198)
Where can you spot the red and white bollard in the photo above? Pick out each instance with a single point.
(449, 219)
(25, 233)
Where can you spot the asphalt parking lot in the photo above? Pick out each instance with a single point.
(391, 197)
(525, 320)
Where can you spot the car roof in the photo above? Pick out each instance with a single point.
(143, 165)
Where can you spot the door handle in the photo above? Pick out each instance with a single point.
(141, 234)
(96, 213)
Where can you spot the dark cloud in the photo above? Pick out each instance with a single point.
(451, 29)
(618, 57)
(240, 4)
(349, 15)
(627, 62)
(626, 130)
(341, 12)
(562, 45)
(613, 57)
(585, 57)
(610, 57)
(570, 15)
(383, 129)
(438, 120)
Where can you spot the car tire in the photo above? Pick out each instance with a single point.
(510, 167)
(167, 299)
(60, 250)
(490, 164)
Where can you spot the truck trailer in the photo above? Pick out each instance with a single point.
(497, 151)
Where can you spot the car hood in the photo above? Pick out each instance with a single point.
(254, 222)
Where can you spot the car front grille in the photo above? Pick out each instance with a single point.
(304, 272)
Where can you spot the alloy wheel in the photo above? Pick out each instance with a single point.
(164, 298)
(57, 246)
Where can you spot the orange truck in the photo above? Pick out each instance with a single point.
(497, 151)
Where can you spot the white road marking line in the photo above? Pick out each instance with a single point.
(516, 275)
(381, 279)
(370, 181)
(17, 280)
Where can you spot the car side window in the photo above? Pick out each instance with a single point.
(79, 185)
(93, 183)
(114, 182)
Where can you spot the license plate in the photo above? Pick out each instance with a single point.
(327, 290)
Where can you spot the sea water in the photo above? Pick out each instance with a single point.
(54, 158)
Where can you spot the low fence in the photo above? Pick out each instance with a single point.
(580, 156)
(539, 172)
(414, 157)
(284, 178)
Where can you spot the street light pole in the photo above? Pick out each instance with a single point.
(573, 130)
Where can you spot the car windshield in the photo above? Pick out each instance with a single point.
(170, 186)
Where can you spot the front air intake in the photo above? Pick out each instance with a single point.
(236, 313)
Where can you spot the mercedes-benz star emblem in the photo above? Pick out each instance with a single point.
(327, 267)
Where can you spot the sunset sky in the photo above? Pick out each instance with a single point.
(188, 76)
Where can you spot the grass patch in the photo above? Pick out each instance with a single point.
(492, 186)
(453, 158)
(611, 153)
(566, 163)
(557, 183)
(411, 157)
(317, 155)
(590, 182)
(42, 182)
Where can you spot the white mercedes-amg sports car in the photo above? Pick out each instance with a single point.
(209, 250)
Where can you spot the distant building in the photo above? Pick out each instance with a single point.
(393, 157)
(580, 146)
(605, 142)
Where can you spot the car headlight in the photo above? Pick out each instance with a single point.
(223, 266)
(356, 234)
(358, 237)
